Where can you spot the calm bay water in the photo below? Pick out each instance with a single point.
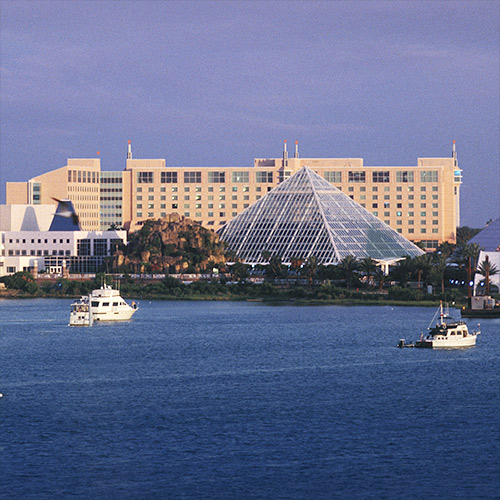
(212, 400)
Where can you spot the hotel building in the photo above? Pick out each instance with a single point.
(420, 202)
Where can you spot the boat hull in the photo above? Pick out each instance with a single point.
(447, 343)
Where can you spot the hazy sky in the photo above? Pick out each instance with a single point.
(213, 83)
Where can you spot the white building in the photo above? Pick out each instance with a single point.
(33, 236)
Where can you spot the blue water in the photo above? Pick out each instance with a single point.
(213, 400)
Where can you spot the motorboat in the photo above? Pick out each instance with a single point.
(447, 334)
(103, 304)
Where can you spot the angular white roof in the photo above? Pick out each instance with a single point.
(304, 216)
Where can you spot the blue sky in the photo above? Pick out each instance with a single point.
(214, 83)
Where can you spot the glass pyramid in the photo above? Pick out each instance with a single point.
(304, 216)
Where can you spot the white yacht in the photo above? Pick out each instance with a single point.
(446, 334)
(103, 304)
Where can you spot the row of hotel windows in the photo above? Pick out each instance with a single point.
(194, 177)
(382, 176)
(83, 176)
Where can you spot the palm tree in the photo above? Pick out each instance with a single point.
(312, 265)
(423, 265)
(439, 269)
(403, 271)
(487, 269)
(348, 265)
(380, 277)
(296, 263)
(368, 266)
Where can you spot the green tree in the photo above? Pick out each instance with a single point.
(348, 266)
(403, 271)
(368, 267)
(311, 267)
(423, 266)
(239, 271)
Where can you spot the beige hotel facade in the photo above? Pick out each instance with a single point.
(420, 202)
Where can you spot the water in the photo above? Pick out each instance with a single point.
(213, 400)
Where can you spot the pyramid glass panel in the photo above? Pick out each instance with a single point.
(305, 216)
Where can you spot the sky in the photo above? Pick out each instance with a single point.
(219, 83)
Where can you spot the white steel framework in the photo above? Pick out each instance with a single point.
(305, 216)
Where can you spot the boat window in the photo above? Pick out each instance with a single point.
(95, 304)
(105, 304)
(115, 304)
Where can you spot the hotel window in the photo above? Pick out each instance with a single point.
(380, 176)
(387, 205)
(435, 205)
(410, 197)
(399, 230)
(197, 214)
(434, 196)
(362, 188)
(151, 198)
(192, 177)
(357, 176)
(423, 230)
(186, 197)
(197, 197)
(374, 196)
(163, 214)
(399, 205)
(210, 189)
(186, 214)
(210, 214)
(422, 214)
(243, 176)
(399, 188)
(246, 189)
(374, 188)
(404, 176)
(399, 214)
(174, 197)
(222, 214)
(387, 196)
(222, 197)
(435, 188)
(399, 222)
(145, 177)
(198, 189)
(174, 189)
(411, 222)
(399, 197)
(258, 189)
(186, 189)
(222, 189)
(151, 206)
(435, 222)
(210, 197)
(210, 205)
(410, 214)
(423, 197)
(350, 189)
(411, 205)
(387, 214)
(216, 177)
(246, 197)
(163, 206)
(197, 205)
(264, 177)
(245, 205)
(139, 214)
(362, 197)
(428, 176)
(162, 198)
(186, 205)
(234, 214)
(163, 189)
(139, 205)
(222, 205)
(375, 214)
(374, 205)
(175, 205)
(333, 176)
(435, 230)
(234, 197)
(234, 205)
(411, 189)
(139, 197)
(411, 230)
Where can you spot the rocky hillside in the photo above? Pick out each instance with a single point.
(172, 244)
